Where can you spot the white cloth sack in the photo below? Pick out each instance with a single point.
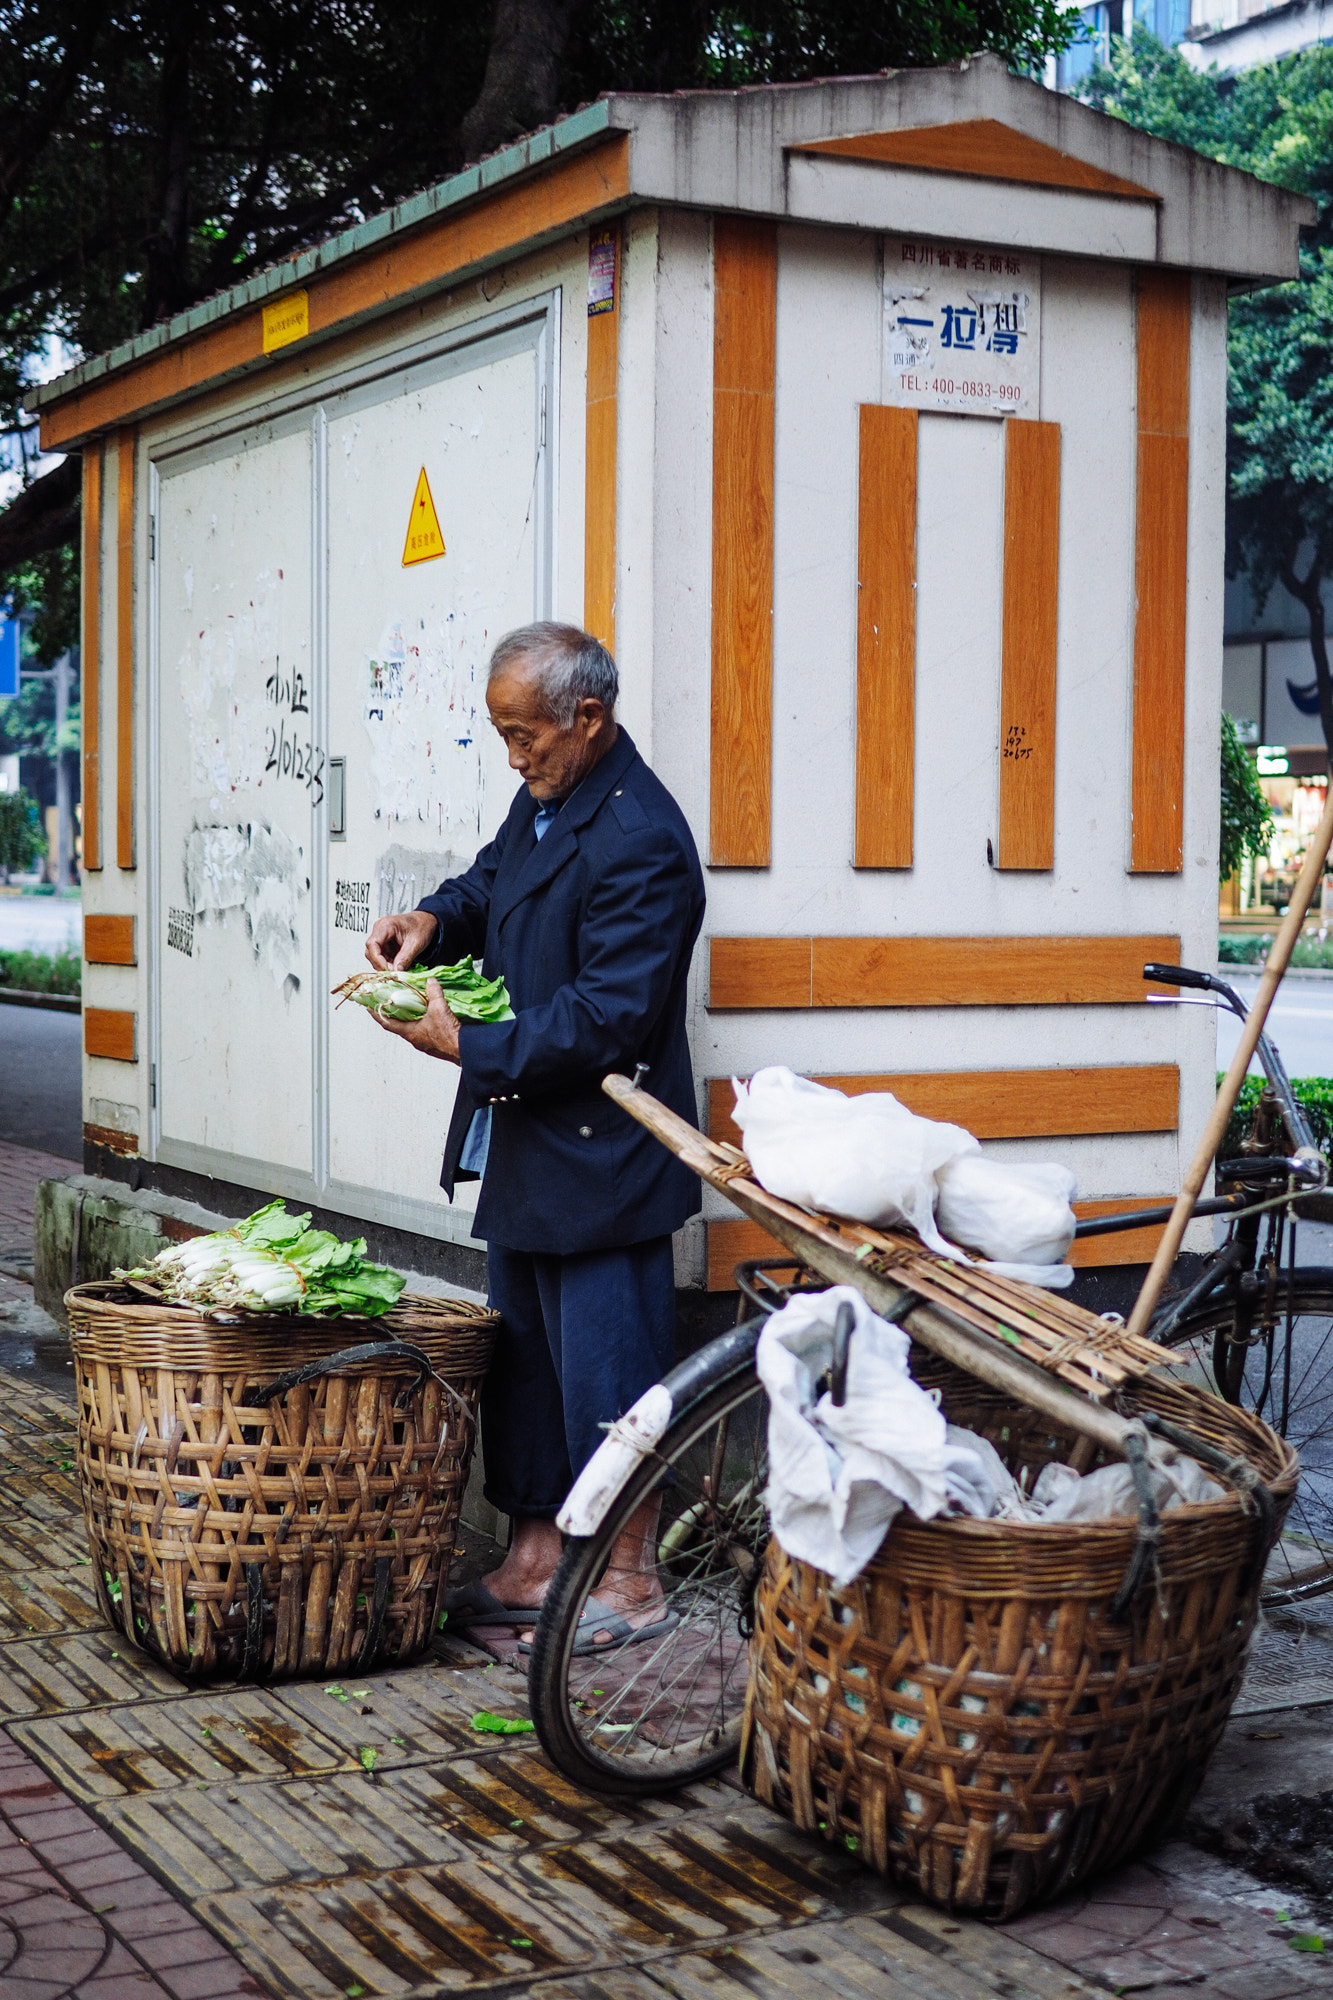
(838, 1476)
(871, 1159)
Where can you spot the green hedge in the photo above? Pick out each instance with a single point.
(1310, 952)
(1314, 1094)
(42, 971)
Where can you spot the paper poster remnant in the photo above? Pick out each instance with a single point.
(424, 693)
(285, 320)
(403, 875)
(962, 328)
(424, 540)
(244, 682)
(180, 931)
(603, 245)
(351, 907)
(258, 870)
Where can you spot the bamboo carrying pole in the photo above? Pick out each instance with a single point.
(818, 1248)
(1278, 959)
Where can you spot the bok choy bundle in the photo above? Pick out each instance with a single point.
(273, 1262)
(401, 996)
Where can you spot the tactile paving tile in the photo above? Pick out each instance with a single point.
(437, 1930)
(209, 1737)
(78, 1670)
(702, 1880)
(407, 1716)
(515, 1802)
(27, 1544)
(47, 1601)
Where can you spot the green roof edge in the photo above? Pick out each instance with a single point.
(576, 130)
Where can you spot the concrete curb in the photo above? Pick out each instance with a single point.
(59, 1003)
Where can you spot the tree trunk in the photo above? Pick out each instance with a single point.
(168, 289)
(1309, 591)
(521, 85)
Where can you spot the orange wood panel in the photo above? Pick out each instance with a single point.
(109, 1031)
(759, 972)
(732, 1242)
(109, 940)
(90, 653)
(983, 972)
(1160, 562)
(983, 147)
(560, 196)
(1026, 833)
(125, 651)
(744, 351)
(1129, 1246)
(599, 497)
(885, 637)
(1010, 1103)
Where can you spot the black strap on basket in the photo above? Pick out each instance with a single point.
(1254, 1494)
(1144, 1557)
(355, 1357)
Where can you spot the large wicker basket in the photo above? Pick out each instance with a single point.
(245, 1523)
(968, 1716)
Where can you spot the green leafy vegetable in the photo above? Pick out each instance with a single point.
(401, 996)
(273, 1262)
(1306, 1941)
(500, 1725)
(369, 1758)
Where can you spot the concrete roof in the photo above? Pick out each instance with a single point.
(1100, 188)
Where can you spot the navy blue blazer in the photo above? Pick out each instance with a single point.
(593, 928)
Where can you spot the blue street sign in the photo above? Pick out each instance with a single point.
(9, 656)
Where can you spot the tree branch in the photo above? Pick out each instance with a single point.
(28, 135)
(42, 516)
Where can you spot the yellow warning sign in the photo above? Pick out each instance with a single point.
(424, 540)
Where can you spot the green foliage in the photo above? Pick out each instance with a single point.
(1310, 954)
(1247, 818)
(1314, 1094)
(1276, 121)
(41, 971)
(21, 838)
(28, 722)
(48, 586)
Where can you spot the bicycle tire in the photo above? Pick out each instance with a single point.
(643, 1747)
(1294, 1395)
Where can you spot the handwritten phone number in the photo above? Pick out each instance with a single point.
(290, 758)
(944, 385)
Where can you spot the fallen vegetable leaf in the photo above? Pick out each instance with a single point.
(1306, 1941)
(369, 1758)
(500, 1725)
(524, 1944)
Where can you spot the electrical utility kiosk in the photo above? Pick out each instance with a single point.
(878, 426)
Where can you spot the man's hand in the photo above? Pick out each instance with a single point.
(436, 1033)
(397, 942)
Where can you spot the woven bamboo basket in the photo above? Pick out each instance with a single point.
(967, 1715)
(298, 1532)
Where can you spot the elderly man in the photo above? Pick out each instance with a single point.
(588, 901)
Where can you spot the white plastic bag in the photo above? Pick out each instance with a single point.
(871, 1159)
(868, 1158)
(838, 1475)
(1019, 1214)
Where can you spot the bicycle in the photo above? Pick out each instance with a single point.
(633, 1718)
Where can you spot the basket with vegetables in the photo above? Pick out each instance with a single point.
(401, 996)
(272, 1485)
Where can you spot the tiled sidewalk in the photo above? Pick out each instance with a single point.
(80, 1920)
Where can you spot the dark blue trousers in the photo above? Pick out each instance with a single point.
(582, 1338)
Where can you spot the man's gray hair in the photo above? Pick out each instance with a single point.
(568, 666)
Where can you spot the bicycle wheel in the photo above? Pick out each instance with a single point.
(1284, 1373)
(645, 1717)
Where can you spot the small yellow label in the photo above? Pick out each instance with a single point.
(285, 320)
(424, 540)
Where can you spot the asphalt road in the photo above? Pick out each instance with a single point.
(1300, 1022)
(40, 1088)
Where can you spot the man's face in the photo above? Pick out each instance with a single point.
(551, 761)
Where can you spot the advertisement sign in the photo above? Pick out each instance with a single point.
(9, 655)
(962, 328)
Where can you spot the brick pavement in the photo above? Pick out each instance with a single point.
(80, 1920)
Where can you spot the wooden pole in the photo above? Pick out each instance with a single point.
(1278, 959)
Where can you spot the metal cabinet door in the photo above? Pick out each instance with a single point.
(426, 778)
(235, 772)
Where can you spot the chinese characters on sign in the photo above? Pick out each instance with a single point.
(962, 327)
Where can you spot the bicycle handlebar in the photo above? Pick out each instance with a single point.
(1298, 1128)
